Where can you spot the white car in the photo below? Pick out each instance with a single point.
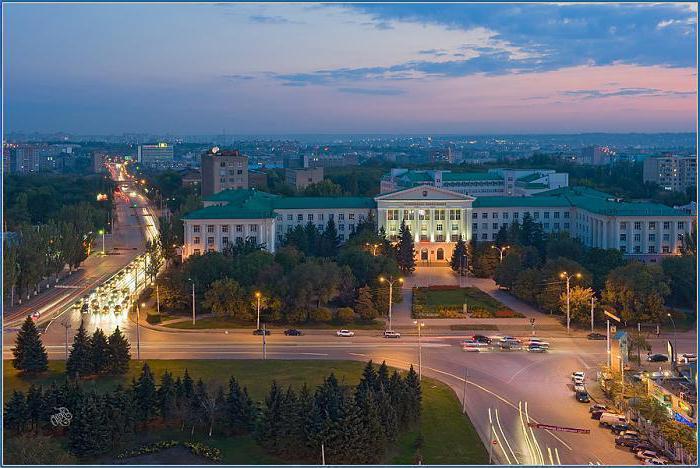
(538, 342)
(579, 388)
(391, 334)
(472, 346)
(646, 454)
(655, 461)
(578, 377)
(687, 358)
(345, 333)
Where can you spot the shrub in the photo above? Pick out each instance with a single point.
(442, 287)
(296, 315)
(480, 313)
(322, 314)
(153, 318)
(345, 315)
(507, 313)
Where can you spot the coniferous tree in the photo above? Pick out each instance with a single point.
(382, 377)
(397, 392)
(99, 352)
(406, 254)
(197, 409)
(118, 351)
(79, 360)
(16, 415)
(312, 239)
(35, 406)
(413, 395)
(291, 433)
(52, 398)
(239, 409)
(120, 415)
(269, 430)
(29, 352)
(329, 241)
(145, 395)
(306, 415)
(501, 236)
(166, 396)
(364, 304)
(88, 433)
(459, 260)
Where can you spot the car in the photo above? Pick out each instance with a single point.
(509, 345)
(596, 336)
(655, 461)
(644, 454)
(391, 334)
(536, 348)
(578, 375)
(596, 415)
(579, 388)
(345, 333)
(470, 348)
(657, 358)
(619, 428)
(630, 433)
(583, 397)
(292, 332)
(35, 315)
(508, 338)
(608, 419)
(628, 442)
(687, 358)
(482, 339)
(261, 331)
(85, 308)
(641, 445)
(597, 407)
(539, 342)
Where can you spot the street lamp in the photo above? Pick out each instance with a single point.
(564, 275)
(102, 231)
(374, 248)
(501, 250)
(391, 280)
(419, 325)
(193, 303)
(258, 296)
(138, 330)
(675, 350)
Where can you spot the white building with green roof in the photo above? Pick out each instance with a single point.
(438, 217)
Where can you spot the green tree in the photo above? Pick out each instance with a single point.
(459, 260)
(680, 273)
(364, 304)
(507, 271)
(29, 352)
(145, 395)
(637, 292)
(579, 303)
(406, 254)
(226, 298)
(563, 245)
(637, 341)
(16, 414)
(345, 315)
(155, 258)
(99, 352)
(10, 269)
(79, 363)
(600, 262)
(329, 242)
(239, 409)
(553, 285)
(501, 236)
(118, 351)
(166, 395)
(88, 434)
(325, 188)
(527, 285)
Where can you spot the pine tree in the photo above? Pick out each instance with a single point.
(406, 254)
(88, 433)
(364, 304)
(397, 392)
(145, 395)
(329, 241)
(501, 236)
(16, 415)
(99, 352)
(79, 363)
(312, 239)
(52, 398)
(166, 396)
(269, 431)
(373, 441)
(459, 260)
(118, 350)
(35, 406)
(382, 377)
(29, 352)
(291, 429)
(120, 415)
(239, 409)
(305, 414)
(368, 381)
(413, 395)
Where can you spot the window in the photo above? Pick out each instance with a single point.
(475, 215)
(652, 225)
(637, 225)
(210, 228)
(224, 240)
(320, 217)
(556, 226)
(341, 237)
(475, 226)
(666, 249)
(440, 215)
(196, 228)
(566, 215)
(623, 237)
(454, 238)
(623, 248)
(681, 225)
(667, 225)
(495, 225)
(239, 172)
(623, 225)
(351, 226)
(537, 215)
(253, 239)
(224, 228)
(485, 236)
(210, 240)
(505, 215)
(341, 227)
(424, 215)
(667, 237)
(253, 228)
(455, 227)
(197, 251)
(652, 237)
(637, 237)
(310, 217)
(484, 216)
(239, 239)
(515, 215)
(566, 225)
(351, 215)
(546, 215)
(484, 225)
(637, 249)
(680, 236)
(546, 225)
(196, 240)
(409, 215)
(300, 217)
(320, 227)
(439, 238)
(341, 216)
(652, 249)
(223, 163)
(438, 227)
(556, 215)
(424, 238)
(290, 217)
(494, 215)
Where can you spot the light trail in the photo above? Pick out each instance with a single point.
(532, 433)
(500, 428)
(498, 440)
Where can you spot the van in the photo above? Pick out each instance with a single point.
(608, 419)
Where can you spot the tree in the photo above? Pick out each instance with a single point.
(118, 350)
(166, 396)
(145, 395)
(329, 242)
(16, 415)
(680, 272)
(239, 409)
(507, 271)
(579, 304)
(637, 341)
(406, 254)
(364, 304)
(79, 362)
(99, 352)
(226, 298)
(414, 395)
(484, 259)
(690, 242)
(563, 245)
(155, 258)
(637, 291)
(324, 188)
(501, 236)
(459, 259)
(10, 269)
(88, 432)
(552, 285)
(29, 352)
(600, 262)
(312, 239)
(345, 315)
(527, 285)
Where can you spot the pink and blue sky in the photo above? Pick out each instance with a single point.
(353, 68)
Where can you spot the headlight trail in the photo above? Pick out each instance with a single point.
(532, 433)
(498, 440)
(500, 428)
(533, 454)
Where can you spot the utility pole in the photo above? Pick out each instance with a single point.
(501, 250)
(568, 277)
(464, 392)
(323, 455)
(194, 311)
(420, 325)
(264, 342)
(157, 300)
(138, 335)
(67, 326)
(607, 343)
(257, 296)
(592, 309)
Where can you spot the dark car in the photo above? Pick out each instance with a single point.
(261, 331)
(617, 428)
(596, 336)
(628, 442)
(597, 407)
(641, 446)
(657, 358)
(582, 397)
(293, 332)
(596, 415)
(482, 339)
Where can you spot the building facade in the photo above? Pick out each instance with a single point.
(223, 170)
(159, 155)
(674, 173)
(438, 217)
(302, 178)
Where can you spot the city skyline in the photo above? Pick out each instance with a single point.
(359, 68)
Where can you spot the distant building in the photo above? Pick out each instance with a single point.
(330, 160)
(596, 156)
(21, 159)
(671, 172)
(98, 161)
(191, 177)
(222, 170)
(155, 155)
(495, 182)
(441, 155)
(293, 162)
(257, 180)
(302, 178)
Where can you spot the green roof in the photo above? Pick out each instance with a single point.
(530, 177)
(228, 212)
(285, 203)
(465, 176)
(506, 202)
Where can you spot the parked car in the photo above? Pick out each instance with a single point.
(644, 454)
(538, 342)
(578, 377)
(391, 334)
(596, 336)
(608, 419)
(583, 397)
(629, 442)
(687, 358)
(482, 339)
(619, 428)
(508, 338)
(655, 461)
(597, 407)
(596, 415)
(261, 331)
(657, 358)
(345, 333)
(293, 332)
(641, 445)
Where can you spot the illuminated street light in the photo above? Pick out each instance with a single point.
(564, 275)
(258, 296)
(501, 250)
(419, 325)
(374, 248)
(391, 282)
(102, 231)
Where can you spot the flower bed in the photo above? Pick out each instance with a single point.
(447, 301)
(197, 448)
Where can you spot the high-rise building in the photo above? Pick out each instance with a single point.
(596, 155)
(671, 172)
(223, 169)
(302, 178)
(155, 155)
(22, 159)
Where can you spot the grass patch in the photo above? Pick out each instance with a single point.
(448, 302)
(227, 323)
(442, 423)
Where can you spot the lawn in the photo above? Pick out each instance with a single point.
(222, 322)
(448, 302)
(442, 424)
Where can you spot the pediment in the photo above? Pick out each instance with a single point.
(424, 192)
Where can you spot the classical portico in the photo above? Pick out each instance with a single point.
(435, 216)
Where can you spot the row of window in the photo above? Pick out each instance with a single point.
(516, 215)
(224, 228)
(652, 225)
(424, 215)
(651, 249)
(424, 227)
(196, 240)
(496, 226)
(651, 237)
(320, 227)
(318, 217)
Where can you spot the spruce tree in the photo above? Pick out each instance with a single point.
(29, 352)
(120, 415)
(305, 414)
(88, 433)
(406, 254)
(373, 441)
(145, 395)
(364, 304)
(52, 398)
(239, 409)
(79, 360)
(312, 238)
(269, 430)
(459, 259)
(35, 406)
(166, 396)
(16, 415)
(382, 376)
(501, 236)
(413, 395)
(99, 352)
(368, 380)
(291, 430)
(329, 241)
(118, 350)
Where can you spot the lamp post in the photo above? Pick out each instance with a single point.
(374, 248)
(391, 280)
(138, 331)
(102, 231)
(419, 325)
(194, 311)
(501, 250)
(592, 309)
(257, 297)
(675, 351)
(567, 277)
